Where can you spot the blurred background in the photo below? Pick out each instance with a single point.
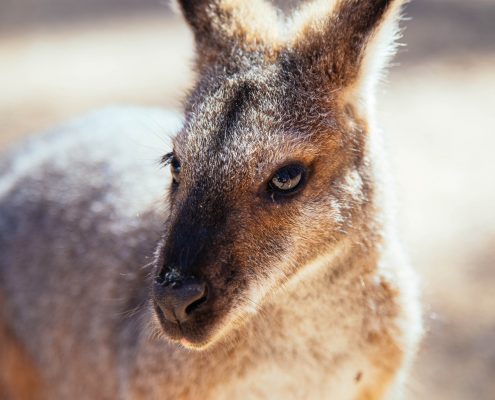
(62, 58)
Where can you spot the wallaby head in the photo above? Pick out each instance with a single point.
(271, 170)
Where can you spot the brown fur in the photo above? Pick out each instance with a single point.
(309, 295)
(19, 377)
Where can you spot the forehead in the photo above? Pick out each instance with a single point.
(252, 119)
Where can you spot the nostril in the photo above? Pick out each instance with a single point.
(197, 303)
(179, 300)
(160, 279)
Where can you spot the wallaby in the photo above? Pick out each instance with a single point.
(270, 269)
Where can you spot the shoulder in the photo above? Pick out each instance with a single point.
(120, 138)
(99, 173)
(117, 148)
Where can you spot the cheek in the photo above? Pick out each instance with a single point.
(319, 225)
(272, 241)
(265, 245)
(266, 232)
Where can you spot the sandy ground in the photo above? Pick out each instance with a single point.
(439, 119)
(49, 75)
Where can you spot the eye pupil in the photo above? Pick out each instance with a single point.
(176, 165)
(287, 179)
(175, 168)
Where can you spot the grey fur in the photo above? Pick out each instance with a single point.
(80, 214)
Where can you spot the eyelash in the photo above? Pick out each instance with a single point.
(167, 159)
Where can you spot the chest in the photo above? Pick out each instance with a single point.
(309, 378)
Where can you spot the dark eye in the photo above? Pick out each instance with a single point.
(175, 169)
(287, 179)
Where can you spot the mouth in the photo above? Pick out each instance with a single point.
(193, 334)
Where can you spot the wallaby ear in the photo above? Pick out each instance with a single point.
(225, 30)
(349, 42)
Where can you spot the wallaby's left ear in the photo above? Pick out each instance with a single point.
(227, 32)
(348, 42)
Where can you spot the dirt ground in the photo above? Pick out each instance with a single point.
(437, 110)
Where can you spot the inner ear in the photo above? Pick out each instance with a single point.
(224, 30)
(340, 41)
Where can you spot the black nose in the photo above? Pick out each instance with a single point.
(179, 299)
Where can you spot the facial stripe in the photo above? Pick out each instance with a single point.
(234, 108)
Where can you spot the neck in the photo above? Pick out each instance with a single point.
(305, 326)
(312, 301)
(301, 325)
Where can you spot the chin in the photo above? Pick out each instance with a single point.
(199, 335)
